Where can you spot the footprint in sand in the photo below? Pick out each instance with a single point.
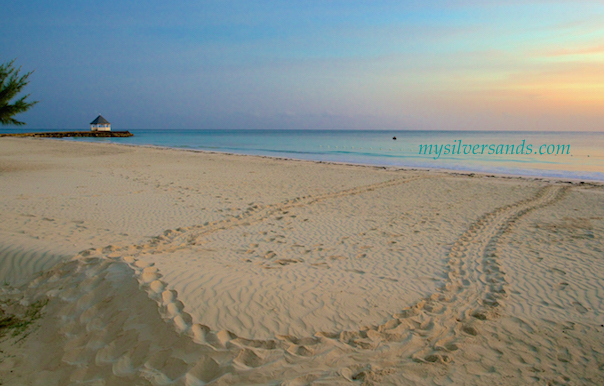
(556, 270)
(564, 355)
(249, 358)
(286, 261)
(561, 286)
(356, 271)
(579, 307)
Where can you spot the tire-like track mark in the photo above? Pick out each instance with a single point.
(429, 331)
(172, 240)
(475, 285)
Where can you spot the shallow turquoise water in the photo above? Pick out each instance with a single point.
(583, 156)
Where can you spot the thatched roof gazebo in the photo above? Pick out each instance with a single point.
(100, 124)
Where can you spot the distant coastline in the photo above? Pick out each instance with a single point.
(64, 134)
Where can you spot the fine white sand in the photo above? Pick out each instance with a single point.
(144, 266)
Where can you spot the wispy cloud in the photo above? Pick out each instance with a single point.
(597, 50)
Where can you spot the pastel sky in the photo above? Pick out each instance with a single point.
(329, 64)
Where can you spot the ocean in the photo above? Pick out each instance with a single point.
(573, 155)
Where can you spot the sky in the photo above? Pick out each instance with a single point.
(404, 65)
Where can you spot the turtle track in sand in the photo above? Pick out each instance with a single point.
(475, 284)
(172, 240)
(429, 331)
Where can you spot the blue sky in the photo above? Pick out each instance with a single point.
(477, 65)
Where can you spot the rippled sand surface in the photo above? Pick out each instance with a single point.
(133, 266)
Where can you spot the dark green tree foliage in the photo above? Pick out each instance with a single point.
(10, 85)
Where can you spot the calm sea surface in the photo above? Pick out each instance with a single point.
(485, 152)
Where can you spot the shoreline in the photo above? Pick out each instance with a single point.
(586, 181)
(577, 165)
(581, 167)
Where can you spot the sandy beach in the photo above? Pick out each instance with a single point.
(123, 265)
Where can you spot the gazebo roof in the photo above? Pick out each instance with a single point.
(99, 121)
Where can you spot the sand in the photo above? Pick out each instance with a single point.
(128, 265)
